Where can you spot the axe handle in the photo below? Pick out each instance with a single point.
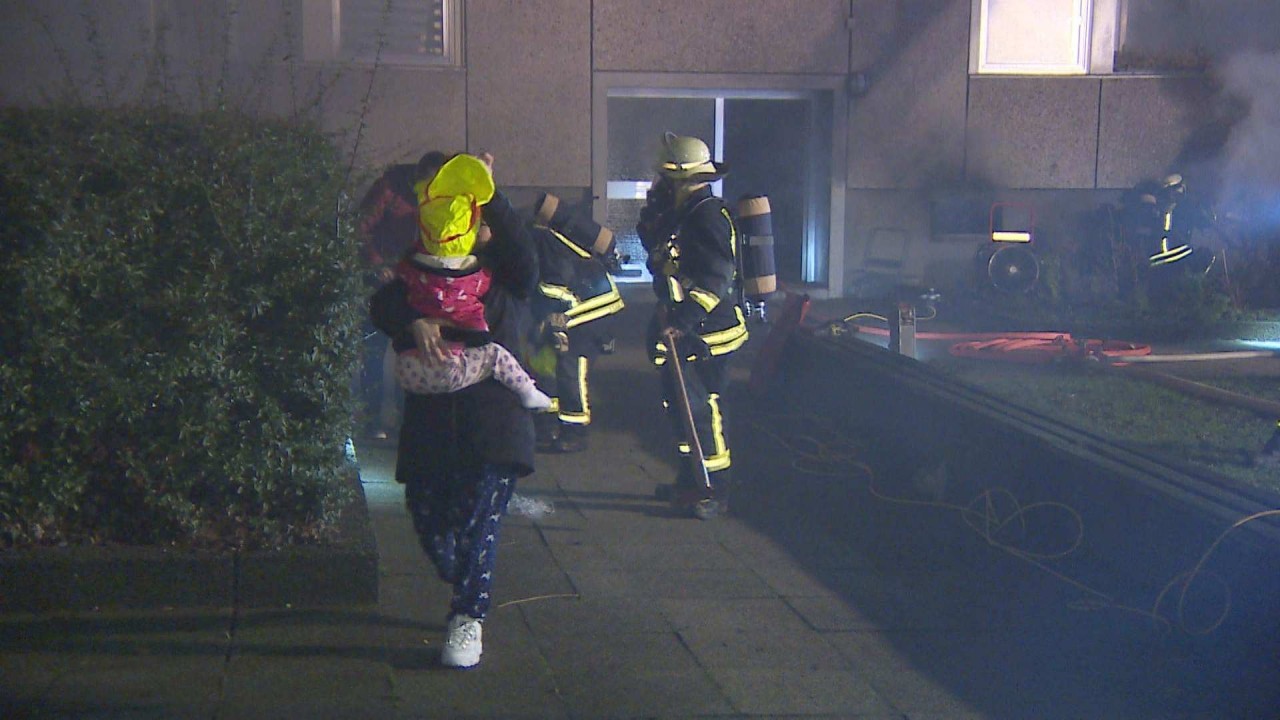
(686, 411)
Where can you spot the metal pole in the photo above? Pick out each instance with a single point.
(686, 411)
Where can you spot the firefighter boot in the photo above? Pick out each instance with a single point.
(546, 428)
(684, 481)
(717, 504)
(572, 438)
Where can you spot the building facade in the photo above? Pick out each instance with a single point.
(884, 132)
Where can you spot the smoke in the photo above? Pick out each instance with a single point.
(1250, 175)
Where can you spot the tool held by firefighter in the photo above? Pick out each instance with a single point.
(686, 411)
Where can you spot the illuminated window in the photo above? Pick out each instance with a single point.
(401, 32)
(1033, 37)
(1101, 37)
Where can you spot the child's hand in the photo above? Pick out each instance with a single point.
(487, 159)
(426, 335)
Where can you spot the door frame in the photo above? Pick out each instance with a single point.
(830, 228)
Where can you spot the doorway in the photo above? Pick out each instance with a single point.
(777, 142)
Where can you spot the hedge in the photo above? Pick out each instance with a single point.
(181, 307)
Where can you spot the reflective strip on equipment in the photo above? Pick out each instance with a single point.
(1010, 236)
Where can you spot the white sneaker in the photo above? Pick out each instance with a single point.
(462, 643)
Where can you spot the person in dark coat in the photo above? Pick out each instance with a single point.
(387, 228)
(460, 454)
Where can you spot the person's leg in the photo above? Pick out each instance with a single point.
(704, 381)
(437, 521)
(504, 367)
(388, 403)
(573, 400)
(417, 375)
(480, 509)
(482, 506)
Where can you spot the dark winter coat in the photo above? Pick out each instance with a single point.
(484, 424)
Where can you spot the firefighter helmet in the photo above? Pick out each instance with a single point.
(1174, 183)
(684, 157)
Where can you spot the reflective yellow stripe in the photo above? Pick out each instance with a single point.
(733, 231)
(582, 417)
(1010, 236)
(707, 300)
(558, 292)
(603, 298)
(726, 348)
(597, 314)
(718, 460)
(729, 339)
(571, 245)
(604, 301)
(1167, 254)
(673, 286)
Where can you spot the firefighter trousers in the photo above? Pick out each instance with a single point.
(705, 380)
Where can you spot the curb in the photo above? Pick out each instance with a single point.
(76, 579)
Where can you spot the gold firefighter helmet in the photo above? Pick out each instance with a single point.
(684, 157)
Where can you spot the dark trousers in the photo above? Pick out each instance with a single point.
(705, 381)
(457, 519)
(572, 389)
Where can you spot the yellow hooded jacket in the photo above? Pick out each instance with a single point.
(449, 206)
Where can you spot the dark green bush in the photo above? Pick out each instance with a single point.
(181, 307)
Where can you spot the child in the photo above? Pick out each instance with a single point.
(445, 282)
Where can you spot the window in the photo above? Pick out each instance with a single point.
(402, 32)
(1040, 37)
(1077, 37)
(1162, 36)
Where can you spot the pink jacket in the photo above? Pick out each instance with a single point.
(446, 293)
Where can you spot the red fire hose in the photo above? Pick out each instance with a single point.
(1026, 347)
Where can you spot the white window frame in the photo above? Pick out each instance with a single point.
(323, 36)
(1093, 34)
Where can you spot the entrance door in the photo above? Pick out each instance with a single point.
(776, 143)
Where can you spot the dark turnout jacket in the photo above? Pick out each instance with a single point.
(484, 424)
(691, 255)
(572, 281)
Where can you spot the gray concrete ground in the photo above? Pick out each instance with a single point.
(817, 599)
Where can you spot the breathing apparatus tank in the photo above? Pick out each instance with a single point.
(755, 253)
(579, 229)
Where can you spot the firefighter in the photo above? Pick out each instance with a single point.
(691, 240)
(1176, 219)
(576, 303)
(1172, 248)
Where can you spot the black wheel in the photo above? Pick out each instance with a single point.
(1013, 269)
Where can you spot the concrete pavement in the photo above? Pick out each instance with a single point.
(817, 599)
